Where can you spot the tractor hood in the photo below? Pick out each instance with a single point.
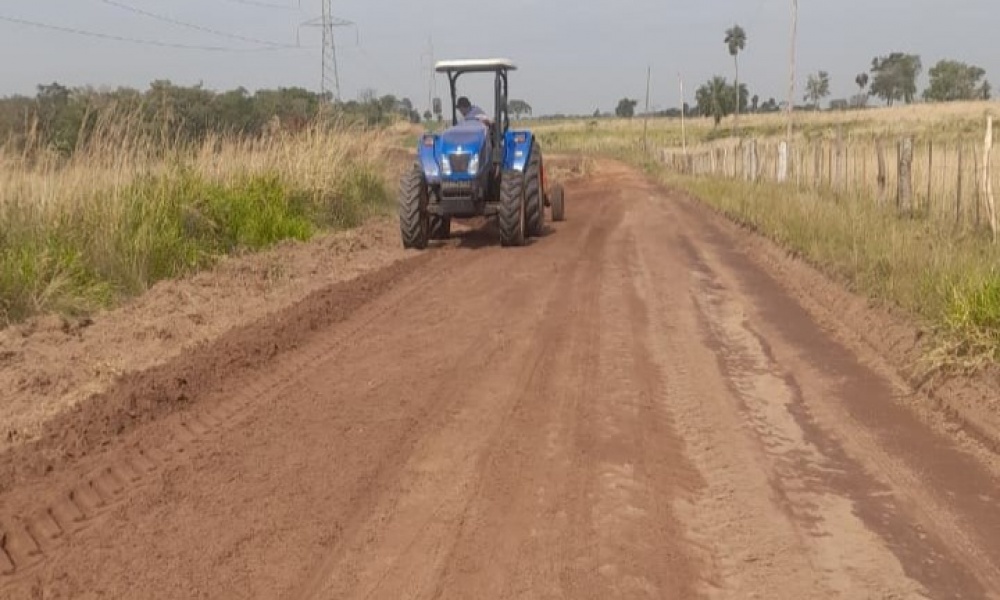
(465, 138)
(459, 154)
(461, 151)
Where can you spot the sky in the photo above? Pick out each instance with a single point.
(573, 56)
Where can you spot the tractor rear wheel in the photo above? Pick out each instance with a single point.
(414, 223)
(533, 200)
(558, 201)
(511, 214)
(440, 227)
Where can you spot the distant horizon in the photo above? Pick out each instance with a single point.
(603, 60)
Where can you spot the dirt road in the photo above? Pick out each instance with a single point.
(630, 407)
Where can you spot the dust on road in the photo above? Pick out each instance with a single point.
(629, 407)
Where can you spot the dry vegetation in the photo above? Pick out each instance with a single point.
(939, 263)
(129, 208)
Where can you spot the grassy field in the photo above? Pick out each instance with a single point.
(127, 209)
(947, 276)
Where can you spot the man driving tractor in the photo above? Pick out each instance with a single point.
(470, 112)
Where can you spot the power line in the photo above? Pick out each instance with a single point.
(173, 21)
(120, 38)
(266, 5)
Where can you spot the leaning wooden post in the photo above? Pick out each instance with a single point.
(904, 198)
(753, 161)
(987, 180)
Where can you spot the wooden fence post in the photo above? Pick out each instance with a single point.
(840, 160)
(987, 180)
(746, 161)
(783, 161)
(753, 161)
(958, 188)
(864, 169)
(818, 174)
(930, 174)
(904, 197)
(978, 188)
(880, 149)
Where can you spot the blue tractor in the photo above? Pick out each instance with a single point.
(477, 169)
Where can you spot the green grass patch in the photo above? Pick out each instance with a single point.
(79, 256)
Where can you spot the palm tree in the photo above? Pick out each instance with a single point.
(736, 40)
(713, 99)
(862, 81)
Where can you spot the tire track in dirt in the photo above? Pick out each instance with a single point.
(35, 532)
(608, 412)
(573, 499)
(849, 484)
(846, 557)
(419, 561)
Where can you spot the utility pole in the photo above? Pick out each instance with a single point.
(684, 141)
(791, 70)
(330, 74)
(645, 120)
(431, 81)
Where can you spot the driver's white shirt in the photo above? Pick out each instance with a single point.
(476, 113)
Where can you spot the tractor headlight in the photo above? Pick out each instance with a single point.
(474, 165)
(445, 166)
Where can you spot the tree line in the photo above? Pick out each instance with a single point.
(61, 117)
(891, 78)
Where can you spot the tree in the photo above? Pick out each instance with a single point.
(626, 108)
(894, 77)
(862, 81)
(736, 41)
(717, 99)
(953, 80)
(817, 88)
(861, 100)
(428, 115)
(519, 108)
(755, 103)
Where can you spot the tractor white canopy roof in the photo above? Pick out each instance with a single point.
(478, 64)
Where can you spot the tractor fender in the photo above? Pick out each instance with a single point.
(428, 151)
(517, 150)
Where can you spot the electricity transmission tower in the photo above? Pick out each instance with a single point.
(330, 77)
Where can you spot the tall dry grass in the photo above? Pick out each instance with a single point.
(131, 206)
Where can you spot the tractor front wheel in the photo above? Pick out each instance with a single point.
(414, 224)
(511, 214)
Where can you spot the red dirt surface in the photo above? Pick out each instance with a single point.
(648, 402)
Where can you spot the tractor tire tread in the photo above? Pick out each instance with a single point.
(510, 215)
(533, 201)
(413, 222)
